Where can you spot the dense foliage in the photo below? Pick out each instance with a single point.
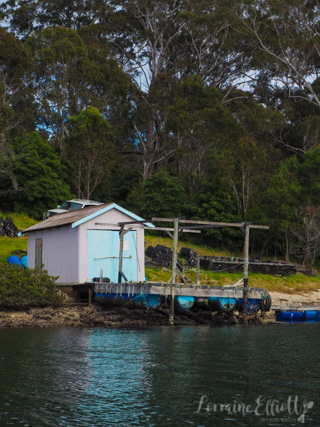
(208, 109)
(26, 287)
(39, 174)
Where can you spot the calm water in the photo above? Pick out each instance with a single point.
(160, 376)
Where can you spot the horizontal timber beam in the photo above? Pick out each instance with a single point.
(212, 223)
(184, 230)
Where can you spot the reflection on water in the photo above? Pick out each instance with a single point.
(157, 376)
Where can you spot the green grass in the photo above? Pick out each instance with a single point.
(153, 240)
(9, 245)
(290, 284)
(21, 221)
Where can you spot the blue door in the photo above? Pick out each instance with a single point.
(104, 251)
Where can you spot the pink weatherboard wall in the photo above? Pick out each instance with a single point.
(64, 248)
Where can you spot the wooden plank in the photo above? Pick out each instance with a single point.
(108, 224)
(165, 289)
(212, 223)
(140, 221)
(169, 234)
(190, 221)
(245, 270)
(198, 227)
(174, 270)
(288, 308)
(90, 295)
(38, 257)
(221, 224)
(185, 230)
(163, 219)
(181, 277)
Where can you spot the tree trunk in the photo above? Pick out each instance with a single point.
(287, 245)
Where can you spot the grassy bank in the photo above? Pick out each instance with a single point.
(9, 245)
(290, 284)
(152, 240)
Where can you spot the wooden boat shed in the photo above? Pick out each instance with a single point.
(81, 245)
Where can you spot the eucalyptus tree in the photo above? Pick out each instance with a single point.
(284, 65)
(292, 206)
(235, 143)
(60, 74)
(89, 150)
(16, 101)
(201, 127)
(69, 75)
(160, 43)
(15, 96)
(255, 156)
(26, 17)
(155, 43)
(209, 46)
(284, 38)
(144, 36)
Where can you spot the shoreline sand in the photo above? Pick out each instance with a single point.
(298, 299)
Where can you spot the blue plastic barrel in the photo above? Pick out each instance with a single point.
(227, 304)
(202, 303)
(24, 261)
(253, 304)
(150, 300)
(184, 302)
(106, 298)
(290, 316)
(213, 304)
(312, 315)
(15, 260)
(98, 296)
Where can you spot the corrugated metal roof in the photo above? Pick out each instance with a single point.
(79, 216)
(67, 218)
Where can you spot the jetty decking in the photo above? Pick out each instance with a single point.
(155, 288)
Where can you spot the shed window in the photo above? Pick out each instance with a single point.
(38, 262)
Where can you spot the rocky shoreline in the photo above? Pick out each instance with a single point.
(113, 317)
(82, 315)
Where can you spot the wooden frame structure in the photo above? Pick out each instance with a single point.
(193, 226)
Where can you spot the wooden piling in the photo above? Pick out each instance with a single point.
(121, 253)
(198, 270)
(246, 269)
(90, 295)
(174, 267)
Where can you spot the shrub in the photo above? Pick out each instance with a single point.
(20, 287)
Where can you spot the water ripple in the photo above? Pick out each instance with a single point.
(154, 376)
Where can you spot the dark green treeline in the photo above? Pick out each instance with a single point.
(208, 109)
